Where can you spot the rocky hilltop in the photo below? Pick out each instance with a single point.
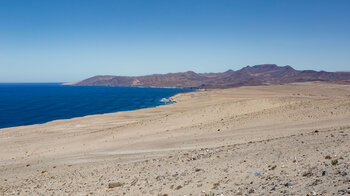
(247, 76)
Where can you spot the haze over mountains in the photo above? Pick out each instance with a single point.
(251, 75)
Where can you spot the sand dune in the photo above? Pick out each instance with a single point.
(263, 140)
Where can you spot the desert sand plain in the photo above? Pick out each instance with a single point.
(291, 139)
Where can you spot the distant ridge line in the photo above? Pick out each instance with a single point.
(264, 74)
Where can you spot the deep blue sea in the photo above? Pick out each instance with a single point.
(26, 104)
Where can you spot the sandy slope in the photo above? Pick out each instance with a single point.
(210, 141)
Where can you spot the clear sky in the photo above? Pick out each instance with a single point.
(69, 40)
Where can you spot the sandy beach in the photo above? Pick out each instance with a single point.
(291, 139)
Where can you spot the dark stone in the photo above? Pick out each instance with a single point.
(324, 173)
(251, 191)
(288, 184)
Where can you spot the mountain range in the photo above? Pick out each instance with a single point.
(264, 74)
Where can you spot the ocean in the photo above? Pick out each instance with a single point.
(35, 103)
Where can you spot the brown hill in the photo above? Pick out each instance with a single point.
(255, 75)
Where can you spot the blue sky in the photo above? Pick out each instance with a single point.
(69, 40)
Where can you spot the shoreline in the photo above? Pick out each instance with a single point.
(211, 141)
